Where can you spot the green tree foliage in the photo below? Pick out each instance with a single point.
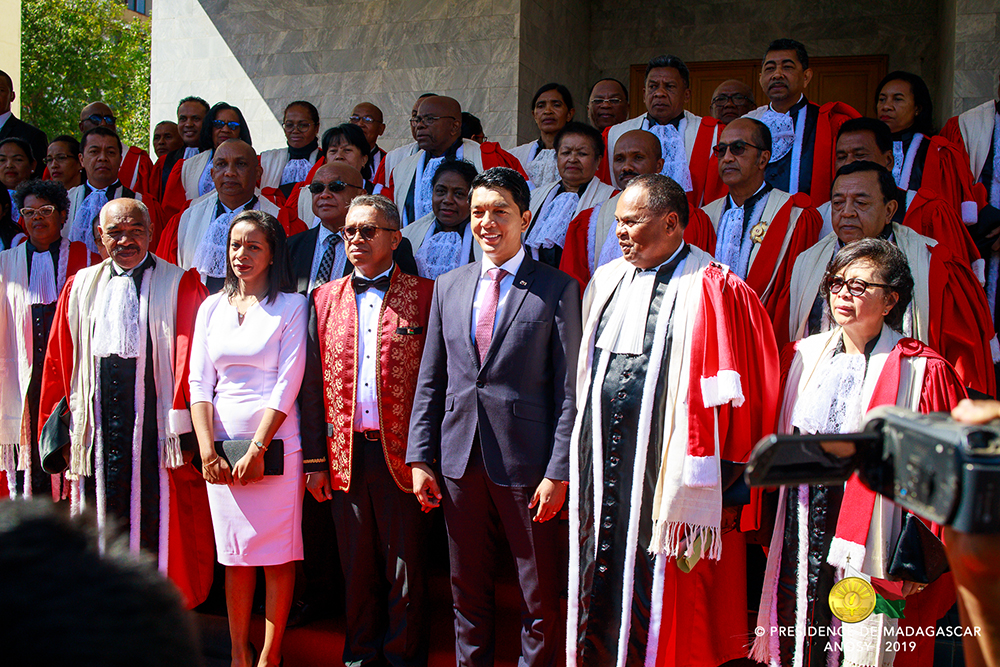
(74, 52)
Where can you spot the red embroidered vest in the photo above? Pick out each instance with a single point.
(404, 315)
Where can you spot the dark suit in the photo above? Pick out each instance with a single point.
(494, 432)
(15, 127)
(302, 246)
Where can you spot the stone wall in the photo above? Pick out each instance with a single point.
(555, 47)
(977, 52)
(384, 51)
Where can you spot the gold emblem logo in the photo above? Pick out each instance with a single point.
(852, 599)
(758, 231)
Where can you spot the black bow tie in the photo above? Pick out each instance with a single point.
(361, 285)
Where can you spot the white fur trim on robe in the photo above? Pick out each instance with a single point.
(640, 123)
(273, 163)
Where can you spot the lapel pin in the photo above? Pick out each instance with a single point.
(522, 283)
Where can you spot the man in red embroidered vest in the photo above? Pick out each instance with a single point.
(803, 132)
(678, 378)
(136, 166)
(686, 139)
(366, 336)
(760, 230)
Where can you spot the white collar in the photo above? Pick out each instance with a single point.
(119, 271)
(324, 231)
(732, 204)
(511, 266)
(801, 97)
(668, 259)
(4, 117)
(238, 209)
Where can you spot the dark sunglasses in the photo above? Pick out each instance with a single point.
(316, 187)
(97, 119)
(737, 148)
(368, 232)
(855, 286)
(233, 125)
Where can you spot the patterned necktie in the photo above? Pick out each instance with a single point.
(488, 313)
(326, 263)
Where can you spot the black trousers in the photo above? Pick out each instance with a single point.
(476, 511)
(382, 540)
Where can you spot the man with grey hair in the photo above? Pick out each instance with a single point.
(366, 337)
(682, 370)
(114, 364)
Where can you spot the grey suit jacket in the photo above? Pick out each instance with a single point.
(521, 401)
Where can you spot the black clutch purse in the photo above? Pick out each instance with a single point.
(233, 450)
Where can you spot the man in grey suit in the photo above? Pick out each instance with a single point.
(492, 420)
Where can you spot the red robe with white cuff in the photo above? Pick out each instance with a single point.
(700, 135)
(184, 526)
(792, 226)
(721, 397)
(949, 311)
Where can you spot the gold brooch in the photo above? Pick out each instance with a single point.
(757, 232)
(852, 599)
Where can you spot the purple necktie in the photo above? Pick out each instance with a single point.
(488, 313)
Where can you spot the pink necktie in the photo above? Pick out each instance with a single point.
(488, 313)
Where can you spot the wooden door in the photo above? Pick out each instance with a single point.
(849, 79)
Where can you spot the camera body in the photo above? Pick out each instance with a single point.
(929, 464)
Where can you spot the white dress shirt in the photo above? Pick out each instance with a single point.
(510, 266)
(3, 118)
(318, 255)
(366, 385)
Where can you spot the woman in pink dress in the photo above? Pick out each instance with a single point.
(247, 361)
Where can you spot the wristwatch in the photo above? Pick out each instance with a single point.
(260, 445)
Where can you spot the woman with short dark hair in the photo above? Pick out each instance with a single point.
(62, 160)
(17, 164)
(284, 167)
(247, 362)
(824, 533)
(32, 275)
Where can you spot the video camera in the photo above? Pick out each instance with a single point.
(929, 464)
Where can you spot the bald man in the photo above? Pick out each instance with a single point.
(438, 132)
(196, 238)
(369, 118)
(129, 413)
(136, 167)
(318, 255)
(591, 241)
(731, 100)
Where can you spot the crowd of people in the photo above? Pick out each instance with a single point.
(597, 326)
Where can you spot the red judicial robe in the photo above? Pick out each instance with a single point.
(730, 381)
(190, 554)
(932, 216)
(831, 116)
(405, 310)
(791, 229)
(484, 156)
(136, 170)
(939, 391)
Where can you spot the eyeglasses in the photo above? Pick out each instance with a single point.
(855, 286)
(368, 232)
(737, 148)
(99, 119)
(61, 157)
(598, 101)
(427, 120)
(368, 120)
(317, 187)
(301, 126)
(233, 125)
(736, 98)
(41, 211)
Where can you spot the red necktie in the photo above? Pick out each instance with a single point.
(488, 313)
